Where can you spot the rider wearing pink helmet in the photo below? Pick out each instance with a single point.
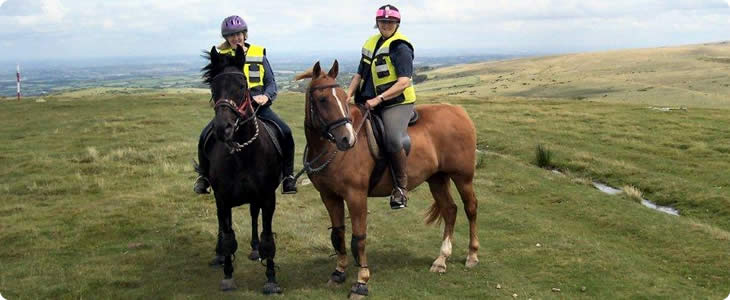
(383, 82)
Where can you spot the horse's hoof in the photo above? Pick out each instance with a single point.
(272, 288)
(436, 268)
(254, 255)
(337, 278)
(471, 261)
(217, 261)
(358, 291)
(228, 285)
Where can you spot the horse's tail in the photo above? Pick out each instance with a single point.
(433, 214)
(196, 166)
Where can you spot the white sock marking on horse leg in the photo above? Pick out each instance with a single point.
(446, 247)
(439, 265)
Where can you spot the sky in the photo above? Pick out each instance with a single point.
(71, 29)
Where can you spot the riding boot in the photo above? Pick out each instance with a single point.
(202, 184)
(399, 197)
(289, 186)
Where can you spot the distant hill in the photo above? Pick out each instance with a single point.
(692, 76)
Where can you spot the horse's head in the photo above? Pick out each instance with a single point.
(229, 91)
(327, 107)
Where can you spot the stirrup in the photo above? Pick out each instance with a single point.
(289, 188)
(394, 203)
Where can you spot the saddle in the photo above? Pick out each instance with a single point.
(375, 132)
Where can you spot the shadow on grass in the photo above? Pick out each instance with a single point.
(188, 272)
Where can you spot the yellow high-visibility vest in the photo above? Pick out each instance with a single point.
(254, 67)
(382, 69)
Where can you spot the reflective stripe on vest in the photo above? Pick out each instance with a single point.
(383, 70)
(254, 67)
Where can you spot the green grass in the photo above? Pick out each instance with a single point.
(96, 191)
(97, 203)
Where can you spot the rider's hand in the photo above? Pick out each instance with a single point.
(261, 99)
(372, 103)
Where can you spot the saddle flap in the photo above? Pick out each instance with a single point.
(414, 118)
(275, 133)
(376, 132)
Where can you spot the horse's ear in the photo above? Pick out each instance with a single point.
(333, 71)
(214, 56)
(240, 58)
(316, 70)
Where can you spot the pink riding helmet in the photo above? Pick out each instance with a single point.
(387, 13)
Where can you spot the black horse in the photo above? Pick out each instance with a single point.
(245, 167)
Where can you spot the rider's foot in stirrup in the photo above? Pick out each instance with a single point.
(398, 199)
(201, 185)
(289, 186)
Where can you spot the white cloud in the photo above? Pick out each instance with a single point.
(316, 25)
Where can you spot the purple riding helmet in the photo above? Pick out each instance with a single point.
(233, 24)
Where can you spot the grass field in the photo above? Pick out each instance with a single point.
(97, 202)
(692, 76)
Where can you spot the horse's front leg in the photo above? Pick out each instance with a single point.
(254, 209)
(267, 248)
(358, 207)
(336, 209)
(227, 245)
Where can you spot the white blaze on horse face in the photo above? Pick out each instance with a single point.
(350, 130)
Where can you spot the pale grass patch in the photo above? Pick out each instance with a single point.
(620, 164)
(582, 180)
(169, 167)
(100, 182)
(93, 153)
(577, 179)
(713, 231)
(632, 192)
(584, 156)
(120, 154)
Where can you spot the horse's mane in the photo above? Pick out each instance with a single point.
(305, 74)
(209, 71)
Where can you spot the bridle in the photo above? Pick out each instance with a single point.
(326, 128)
(326, 131)
(240, 111)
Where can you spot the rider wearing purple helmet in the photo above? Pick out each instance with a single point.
(232, 25)
(262, 85)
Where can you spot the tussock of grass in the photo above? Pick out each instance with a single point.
(543, 157)
(93, 154)
(632, 193)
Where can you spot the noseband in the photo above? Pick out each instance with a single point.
(240, 111)
(326, 128)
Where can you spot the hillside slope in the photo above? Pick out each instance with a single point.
(691, 76)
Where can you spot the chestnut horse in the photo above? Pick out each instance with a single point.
(443, 149)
